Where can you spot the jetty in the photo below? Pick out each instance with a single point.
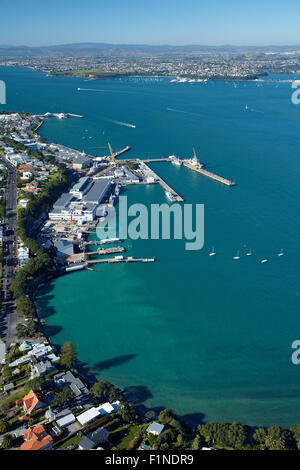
(120, 259)
(213, 176)
(154, 160)
(107, 251)
(120, 152)
(163, 184)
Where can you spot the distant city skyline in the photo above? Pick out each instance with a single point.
(155, 22)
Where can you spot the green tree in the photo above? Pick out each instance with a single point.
(198, 442)
(37, 384)
(105, 391)
(278, 439)
(68, 355)
(127, 412)
(4, 405)
(25, 307)
(28, 329)
(232, 435)
(64, 398)
(259, 437)
(296, 434)
(6, 373)
(165, 416)
(7, 442)
(3, 426)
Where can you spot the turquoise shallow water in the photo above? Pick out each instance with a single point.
(209, 337)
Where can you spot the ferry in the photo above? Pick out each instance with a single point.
(170, 196)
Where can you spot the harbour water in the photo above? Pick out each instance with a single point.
(209, 337)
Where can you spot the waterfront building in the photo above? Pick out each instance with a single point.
(80, 188)
(98, 191)
(67, 379)
(81, 203)
(155, 428)
(64, 248)
(81, 162)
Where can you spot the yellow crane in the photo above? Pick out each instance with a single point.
(113, 156)
(196, 160)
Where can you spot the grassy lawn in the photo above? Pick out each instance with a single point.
(73, 441)
(11, 399)
(126, 437)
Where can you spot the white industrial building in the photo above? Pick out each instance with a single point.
(81, 203)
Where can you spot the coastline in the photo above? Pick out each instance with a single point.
(116, 76)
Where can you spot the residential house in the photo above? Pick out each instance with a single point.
(63, 418)
(36, 439)
(94, 413)
(26, 175)
(155, 428)
(23, 203)
(67, 379)
(41, 367)
(23, 255)
(91, 440)
(33, 401)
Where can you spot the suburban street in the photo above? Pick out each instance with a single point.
(9, 318)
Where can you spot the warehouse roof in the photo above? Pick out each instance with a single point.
(97, 191)
(63, 201)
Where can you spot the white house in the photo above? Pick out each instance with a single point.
(155, 428)
(23, 255)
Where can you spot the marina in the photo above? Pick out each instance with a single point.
(198, 168)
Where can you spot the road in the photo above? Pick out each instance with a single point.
(9, 318)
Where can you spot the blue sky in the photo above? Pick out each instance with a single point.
(211, 22)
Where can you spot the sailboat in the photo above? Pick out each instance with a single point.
(237, 255)
(212, 253)
(281, 253)
(246, 107)
(249, 253)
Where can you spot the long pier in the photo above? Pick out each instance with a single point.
(120, 260)
(120, 152)
(220, 179)
(163, 184)
(106, 251)
(154, 160)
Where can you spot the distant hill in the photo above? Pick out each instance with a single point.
(92, 49)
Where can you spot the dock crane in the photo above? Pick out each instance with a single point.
(196, 165)
(113, 156)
